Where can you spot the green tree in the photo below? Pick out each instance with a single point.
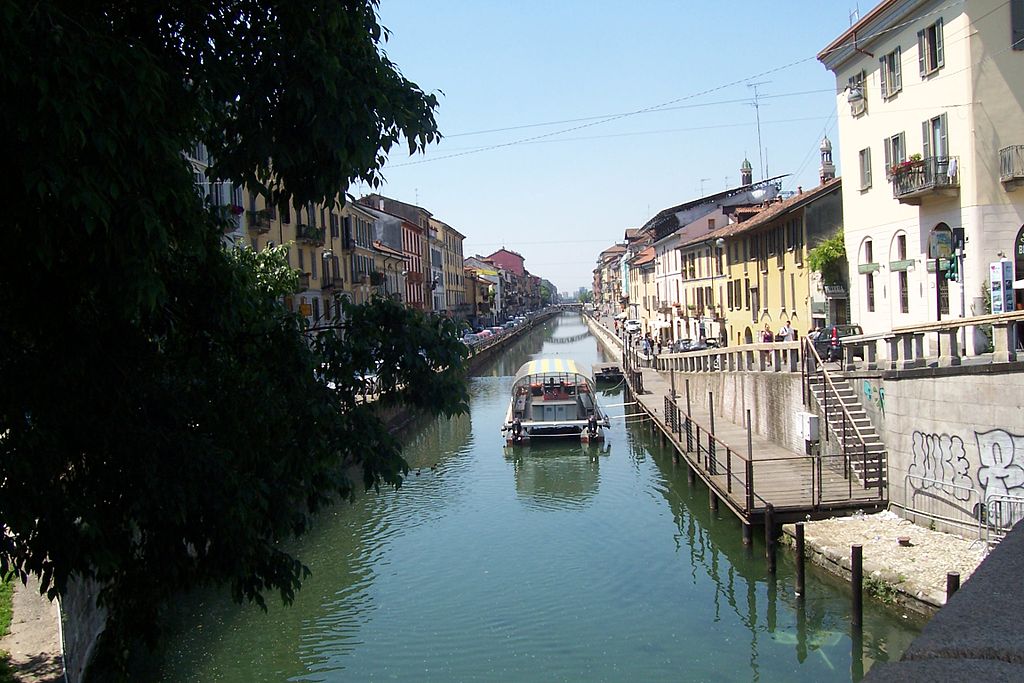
(829, 259)
(164, 421)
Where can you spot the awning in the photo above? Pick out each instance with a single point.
(621, 316)
(1018, 284)
(662, 325)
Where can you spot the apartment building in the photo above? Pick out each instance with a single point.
(931, 136)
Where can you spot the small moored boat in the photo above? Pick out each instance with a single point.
(553, 397)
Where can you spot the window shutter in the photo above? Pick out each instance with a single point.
(903, 146)
(1017, 24)
(882, 76)
(897, 72)
(939, 61)
(922, 50)
(889, 161)
(943, 147)
(867, 165)
(926, 140)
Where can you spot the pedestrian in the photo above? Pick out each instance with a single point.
(766, 338)
(786, 332)
(659, 345)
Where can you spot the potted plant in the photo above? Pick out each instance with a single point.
(901, 167)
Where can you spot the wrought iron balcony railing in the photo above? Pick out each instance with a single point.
(309, 234)
(1011, 164)
(914, 180)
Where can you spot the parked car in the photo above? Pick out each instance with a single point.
(632, 326)
(830, 346)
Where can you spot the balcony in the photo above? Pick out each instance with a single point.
(376, 279)
(1011, 167)
(329, 284)
(914, 181)
(259, 222)
(303, 282)
(414, 278)
(309, 234)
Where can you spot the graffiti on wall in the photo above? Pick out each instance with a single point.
(940, 469)
(874, 396)
(1001, 470)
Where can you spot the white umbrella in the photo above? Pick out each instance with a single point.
(621, 316)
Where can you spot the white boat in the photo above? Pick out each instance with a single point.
(553, 397)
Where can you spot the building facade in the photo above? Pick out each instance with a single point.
(931, 134)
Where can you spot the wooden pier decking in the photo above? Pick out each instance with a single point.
(750, 474)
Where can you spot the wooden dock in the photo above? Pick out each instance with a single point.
(758, 479)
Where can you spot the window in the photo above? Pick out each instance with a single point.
(316, 309)
(869, 290)
(302, 265)
(856, 94)
(895, 151)
(929, 49)
(782, 289)
(869, 256)
(890, 75)
(1017, 24)
(933, 137)
(902, 284)
(865, 169)
(286, 213)
(312, 265)
(711, 224)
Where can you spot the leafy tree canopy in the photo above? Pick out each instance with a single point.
(164, 421)
(829, 259)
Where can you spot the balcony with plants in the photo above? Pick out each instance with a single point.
(309, 234)
(259, 221)
(917, 178)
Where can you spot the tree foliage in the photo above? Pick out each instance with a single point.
(829, 259)
(164, 421)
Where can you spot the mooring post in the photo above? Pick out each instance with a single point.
(689, 422)
(691, 475)
(748, 534)
(800, 560)
(750, 468)
(857, 654)
(712, 500)
(857, 581)
(672, 381)
(952, 584)
(769, 536)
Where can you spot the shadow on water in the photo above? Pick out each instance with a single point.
(552, 562)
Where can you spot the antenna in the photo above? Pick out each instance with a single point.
(757, 113)
(855, 14)
(702, 181)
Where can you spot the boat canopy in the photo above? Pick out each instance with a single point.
(552, 366)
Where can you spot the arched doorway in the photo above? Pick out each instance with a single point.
(748, 336)
(940, 249)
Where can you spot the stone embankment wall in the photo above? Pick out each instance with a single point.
(955, 440)
(773, 398)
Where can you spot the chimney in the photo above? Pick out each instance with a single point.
(799, 189)
(380, 204)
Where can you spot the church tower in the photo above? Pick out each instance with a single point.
(827, 171)
(746, 173)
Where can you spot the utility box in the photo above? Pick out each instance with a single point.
(807, 426)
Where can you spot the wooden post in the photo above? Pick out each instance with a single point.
(748, 534)
(857, 584)
(712, 500)
(800, 560)
(672, 380)
(769, 536)
(952, 584)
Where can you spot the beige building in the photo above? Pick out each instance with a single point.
(931, 136)
(642, 292)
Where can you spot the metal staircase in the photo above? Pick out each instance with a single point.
(844, 422)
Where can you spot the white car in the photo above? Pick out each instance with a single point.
(632, 326)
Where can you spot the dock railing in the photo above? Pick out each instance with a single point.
(750, 484)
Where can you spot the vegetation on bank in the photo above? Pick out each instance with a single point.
(6, 596)
(166, 422)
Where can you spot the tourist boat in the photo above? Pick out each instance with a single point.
(553, 397)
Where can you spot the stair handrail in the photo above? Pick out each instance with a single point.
(828, 379)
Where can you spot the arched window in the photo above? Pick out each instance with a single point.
(940, 249)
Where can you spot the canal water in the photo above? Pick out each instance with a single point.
(560, 563)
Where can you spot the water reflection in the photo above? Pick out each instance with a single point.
(555, 475)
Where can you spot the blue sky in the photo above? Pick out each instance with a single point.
(566, 174)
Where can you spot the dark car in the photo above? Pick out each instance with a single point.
(830, 346)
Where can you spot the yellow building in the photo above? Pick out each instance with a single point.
(642, 293)
(765, 279)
